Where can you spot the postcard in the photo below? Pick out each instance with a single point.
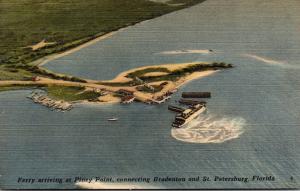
(150, 94)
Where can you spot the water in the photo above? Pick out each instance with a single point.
(259, 98)
(210, 129)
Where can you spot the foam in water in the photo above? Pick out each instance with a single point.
(175, 52)
(210, 129)
(269, 61)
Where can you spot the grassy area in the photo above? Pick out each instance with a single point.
(117, 84)
(157, 88)
(176, 74)
(67, 23)
(170, 76)
(19, 87)
(14, 74)
(140, 73)
(71, 93)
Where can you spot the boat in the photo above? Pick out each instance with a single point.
(188, 115)
(113, 119)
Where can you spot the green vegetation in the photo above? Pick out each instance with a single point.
(71, 93)
(140, 73)
(46, 73)
(117, 84)
(170, 76)
(157, 88)
(66, 24)
(7, 73)
(174, 75)
(19, 87)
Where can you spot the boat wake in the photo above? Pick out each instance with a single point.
(175, 52)
(210, 129)
(272, 62)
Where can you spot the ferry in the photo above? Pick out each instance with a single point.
(188, 115)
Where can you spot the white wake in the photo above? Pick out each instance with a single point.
(210, 129)
(175, 52)
(266, 60)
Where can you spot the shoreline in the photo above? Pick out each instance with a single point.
(98, 37)
(111, 95)
(42, 61)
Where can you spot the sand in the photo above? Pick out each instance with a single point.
(40, 45)
(122, 76)
(151, 74)
(109, 98)
(175, 85)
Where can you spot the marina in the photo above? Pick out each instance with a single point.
(50, 103)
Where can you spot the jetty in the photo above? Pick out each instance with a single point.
(196, 94)
(191, 101)
(161, 99)
(50, 103)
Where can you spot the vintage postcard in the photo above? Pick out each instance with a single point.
(150, 94)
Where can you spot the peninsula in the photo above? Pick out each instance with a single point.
(64, 27)
(150, 84)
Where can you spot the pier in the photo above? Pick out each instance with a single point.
(196, 94)
(50, 103)
(191, 101)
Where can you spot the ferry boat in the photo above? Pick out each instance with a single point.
(188, 115)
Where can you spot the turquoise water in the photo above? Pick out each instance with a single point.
(261, 38)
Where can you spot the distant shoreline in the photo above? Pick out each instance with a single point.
(46, 59)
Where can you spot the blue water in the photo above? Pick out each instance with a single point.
(36, 142)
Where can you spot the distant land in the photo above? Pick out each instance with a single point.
(33, 29)
(37, 30)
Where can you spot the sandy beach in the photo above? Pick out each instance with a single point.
(44, 60)
(121, 78)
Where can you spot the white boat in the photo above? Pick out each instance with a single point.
(113, 119)
(188, 115)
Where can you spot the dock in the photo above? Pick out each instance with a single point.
(196, 94)
(161, 99)
(191, 101)
(50, 103)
